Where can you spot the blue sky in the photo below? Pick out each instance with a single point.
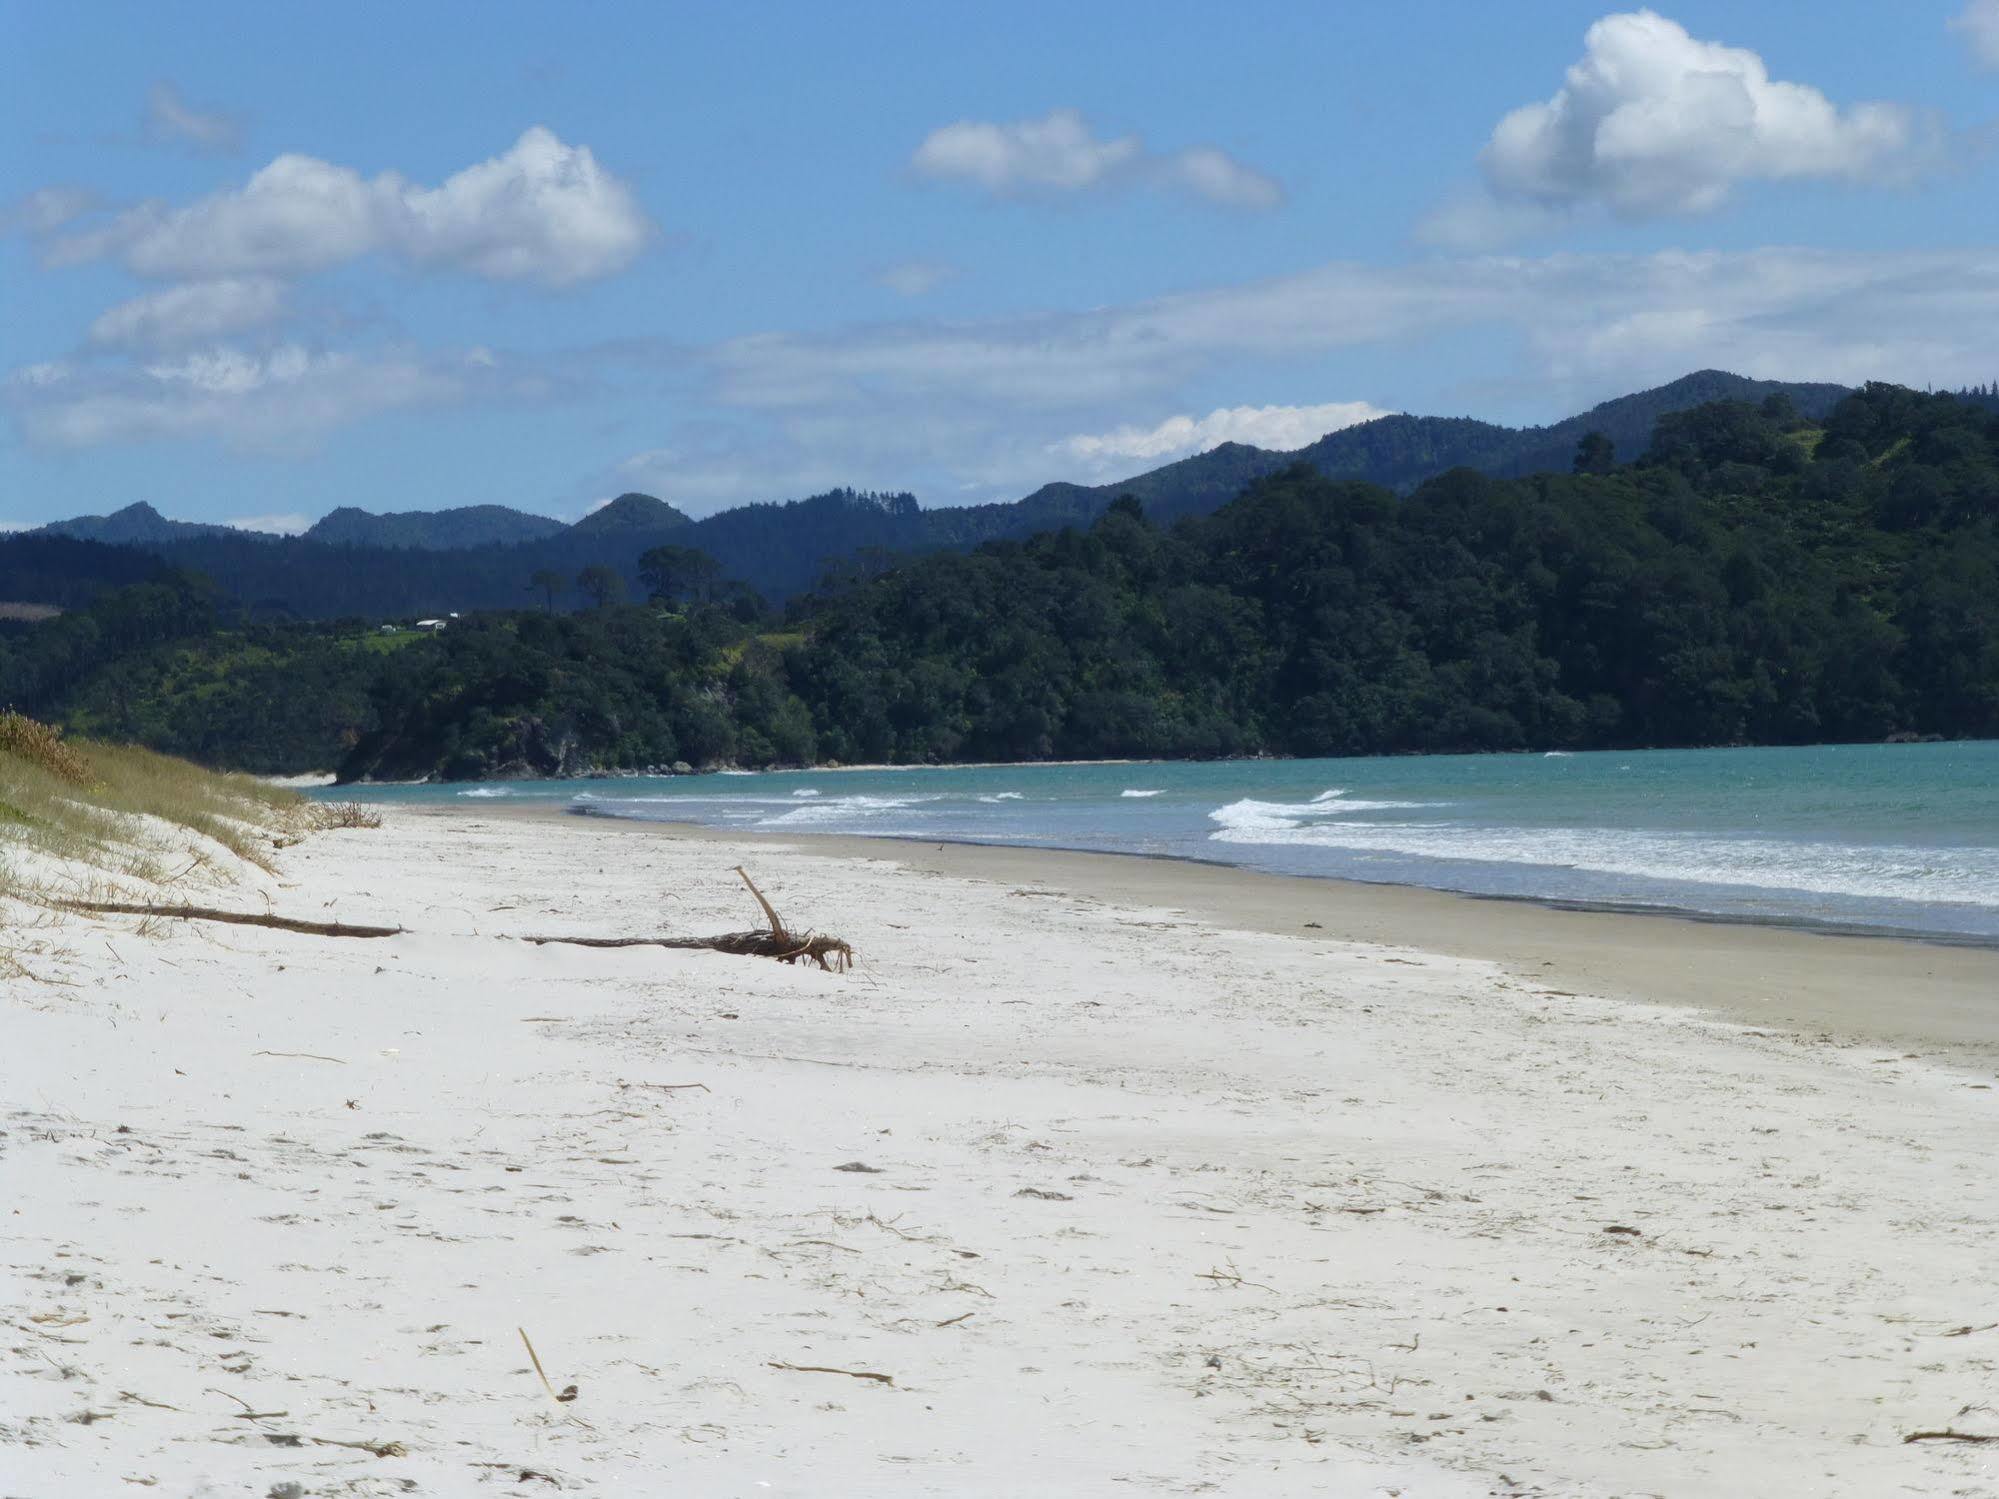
(261, 261)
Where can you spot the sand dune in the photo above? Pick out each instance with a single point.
(1116, 1201)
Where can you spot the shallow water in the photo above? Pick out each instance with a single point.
(1903, 837)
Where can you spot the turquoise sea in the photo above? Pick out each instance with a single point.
(1900, 838)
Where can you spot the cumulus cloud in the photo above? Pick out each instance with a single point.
(542, 211)
(1654, 121)
(190, 313)
(171, 120)
(1280, 428)
(1059, 155)
(1978, 24)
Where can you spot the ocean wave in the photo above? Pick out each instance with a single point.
(1135, 791)
(838, 809)
(487, 791)
(805, 791)
(1004, 796)
(1250, 815)
(1862, 871)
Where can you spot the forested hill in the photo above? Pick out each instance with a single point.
(1756, 577)
(1400, 452)
(489, 557)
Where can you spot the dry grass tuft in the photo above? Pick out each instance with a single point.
(347, 815)
(41, 744)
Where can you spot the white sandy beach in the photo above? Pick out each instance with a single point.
(1119, 1196)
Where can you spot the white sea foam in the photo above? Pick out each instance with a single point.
(841, 809)
(1250, 815)
(1003, 796)
(1870, 871)
(805, 791)
(1135, 791)
(487, 791)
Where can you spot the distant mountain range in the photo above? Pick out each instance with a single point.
(481, 556)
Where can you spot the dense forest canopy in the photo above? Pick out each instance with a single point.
(1755, 576)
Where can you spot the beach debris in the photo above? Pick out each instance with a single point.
(1232, 1277)
(234, 918)
(1045, 1196)
(569, 1391)
(886, 1379)
(774, 941)
(1949, 1434)
(304, 1056)
(1619, 1228)
(859, 1166)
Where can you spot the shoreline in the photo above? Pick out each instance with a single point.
(1808, 926)
(1879, 987)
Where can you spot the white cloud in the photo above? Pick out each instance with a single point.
(1653, 121)
(1058, 154)
(542, 211)
(1220, 178)
(1978, 24)
(289, 524)
(1279, 428)
(284, 400)
(916, 278)
(190, 313)
(171, 120)
(46, 210)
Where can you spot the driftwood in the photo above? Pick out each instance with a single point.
(775, 941)
(234, 918)
(828, 952)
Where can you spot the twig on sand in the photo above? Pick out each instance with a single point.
(233, 918)
(567, 1395)
(1233, 1277)
(249, 1412)
(376, 1449)
(142, 1400)
(1949, 1435)
(954, 1321)
(886, 1379)
(306, 1056)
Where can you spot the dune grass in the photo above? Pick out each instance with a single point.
(85, 804)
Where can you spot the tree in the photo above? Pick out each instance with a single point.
(549, 581)
(1595, 454)
(675, 573)
(600, 584)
